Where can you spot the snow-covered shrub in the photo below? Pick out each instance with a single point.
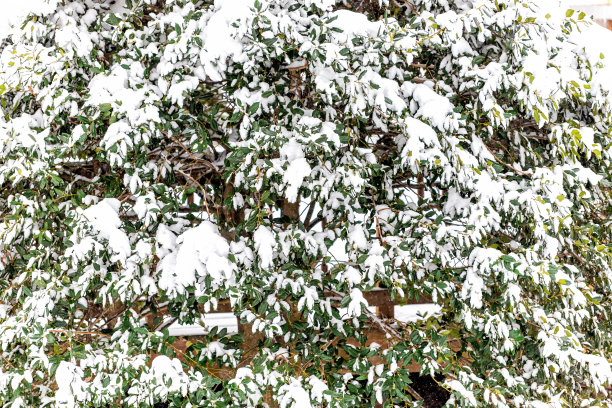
(159, 159)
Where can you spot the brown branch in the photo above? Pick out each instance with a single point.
(8, 362)
(80, 333)
(309, 215)
(506, 164)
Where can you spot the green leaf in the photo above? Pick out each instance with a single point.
(253, 108)
(105, 108)
(112, 19)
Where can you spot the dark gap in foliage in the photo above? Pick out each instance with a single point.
(434, 396)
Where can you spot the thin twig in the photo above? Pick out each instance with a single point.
(8, 362)
(80, 333)
(506, 164)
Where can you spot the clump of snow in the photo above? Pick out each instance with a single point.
(297, 170)
(430, 105)
(356, 304)
(294, 395)
(199, 252)
(353, 25)
(221, 36)
(13, 12)
(357, 238)
(265, 244)
(167, 370)
(20, 132)
(70, 385)
(104, 218)
(596, 42)
(414, 313)
(464, 392)
(325, 5)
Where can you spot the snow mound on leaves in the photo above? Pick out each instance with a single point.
(196, 253)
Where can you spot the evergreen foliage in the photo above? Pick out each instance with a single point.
(285, 157)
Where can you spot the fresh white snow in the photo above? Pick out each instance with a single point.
(403, 313)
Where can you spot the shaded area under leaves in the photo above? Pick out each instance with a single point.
(428, 388)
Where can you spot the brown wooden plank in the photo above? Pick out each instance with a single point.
(386, 312)
(377, 297)
(382, 297)
(223, 306)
